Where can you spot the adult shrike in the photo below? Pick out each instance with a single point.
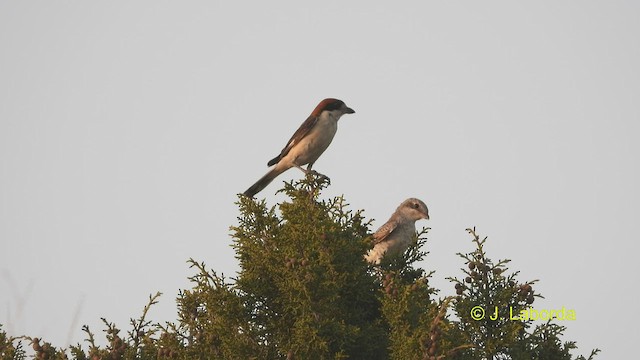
(395, 235)
(307, 144)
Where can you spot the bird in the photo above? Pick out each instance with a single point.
(307, 144)
(396, 234)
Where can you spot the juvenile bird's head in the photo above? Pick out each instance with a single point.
(334, 107)
(413, 209)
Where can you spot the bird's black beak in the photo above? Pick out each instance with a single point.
(349, 110)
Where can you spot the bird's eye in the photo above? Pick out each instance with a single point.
(416, 205)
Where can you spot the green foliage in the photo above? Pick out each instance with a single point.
(304, 280)
(496, 334)
(416, 320)
(9, 351)
(304, 291)
(485, 286)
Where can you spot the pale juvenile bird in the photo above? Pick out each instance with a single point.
(395, 236)
(307, 144)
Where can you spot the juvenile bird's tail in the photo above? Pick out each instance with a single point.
(264, 181)
(374, 256)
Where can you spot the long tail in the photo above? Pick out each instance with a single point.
(264, 181)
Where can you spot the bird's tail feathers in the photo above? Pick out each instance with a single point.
(264, 181)
(275, 160)
(373, 257)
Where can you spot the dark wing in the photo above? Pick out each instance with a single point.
(383, 232)
(302, 131)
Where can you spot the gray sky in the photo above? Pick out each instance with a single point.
(128, 128)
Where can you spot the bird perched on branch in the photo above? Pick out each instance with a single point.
(396, 234)
(307, 144)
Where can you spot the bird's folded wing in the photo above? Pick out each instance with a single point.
(383, 232)
(302, 131)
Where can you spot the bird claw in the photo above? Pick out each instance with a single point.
(321, 177)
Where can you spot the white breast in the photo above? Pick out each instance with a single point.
(309, 149)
